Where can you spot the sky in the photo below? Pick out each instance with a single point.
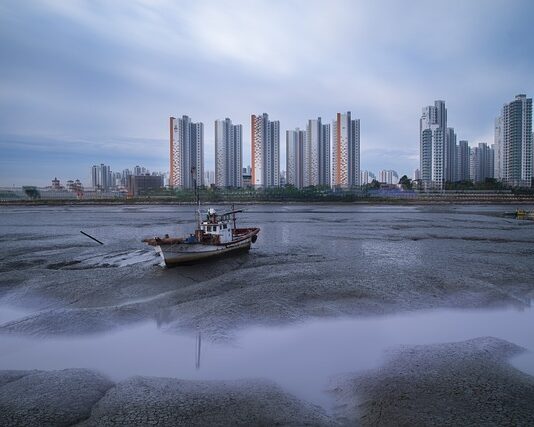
(90, 82)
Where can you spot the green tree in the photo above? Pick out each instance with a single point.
(32, 192)
(405, 182)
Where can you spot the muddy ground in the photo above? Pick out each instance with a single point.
(308, 263)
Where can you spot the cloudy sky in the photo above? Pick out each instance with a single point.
(85, 82)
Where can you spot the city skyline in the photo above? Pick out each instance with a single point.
(310, 152)
(443, 160)
(64, 101)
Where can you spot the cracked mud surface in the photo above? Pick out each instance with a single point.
(319, 262)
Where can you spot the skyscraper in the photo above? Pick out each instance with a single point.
(295, 143)
(516, 146)
(186, 152)
(463, 161)
(437, 149)
(439, 136)
(345, 151)
(317, 154)
(451, 156)
(425, 154)
(366, 177)
(499, 149)
(101, 177)
(388, 177)
(209, 178)
(228, 154)
(481, 162)
(265, 151)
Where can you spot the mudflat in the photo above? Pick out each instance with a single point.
(311, 263)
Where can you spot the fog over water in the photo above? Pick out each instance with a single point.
(326, 290)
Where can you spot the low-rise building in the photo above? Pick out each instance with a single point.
(143, 184)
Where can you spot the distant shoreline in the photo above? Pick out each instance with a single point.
(522, 200)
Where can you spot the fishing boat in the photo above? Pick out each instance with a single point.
(214, 236)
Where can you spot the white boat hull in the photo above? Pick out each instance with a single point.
(187, 253)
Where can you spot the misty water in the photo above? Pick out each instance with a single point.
(302, 358)
(326, 290)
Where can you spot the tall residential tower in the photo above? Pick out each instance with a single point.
(295, 147)
(186, 152)
(437, 145)
(345, 151)
(514, 142)
(317, 154)
(101, 177)
(228, 154)
(265, 151)
(462, 161)
(481, 163)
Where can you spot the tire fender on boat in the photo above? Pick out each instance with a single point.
(254, 238)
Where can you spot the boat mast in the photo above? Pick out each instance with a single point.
(233, 214)
(197, 196)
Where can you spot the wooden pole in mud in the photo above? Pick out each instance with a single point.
(197, 361)
(91, 237)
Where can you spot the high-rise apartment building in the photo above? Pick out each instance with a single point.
(451, 156)
(513, 142)
(317, 154)
(186, 153)
(366, 177)
(228, 154)
(295, 147)
(463, 161)
(209, 178)
(265, 151)
(481, 163)
(345, 151)
(425, 154)
(388, 177)
(101, 177)
(437, 147)
(439, 136)
(498, 146)
(432, 119)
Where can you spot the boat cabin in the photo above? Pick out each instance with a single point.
(217, 227)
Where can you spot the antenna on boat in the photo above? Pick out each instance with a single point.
(197, 196)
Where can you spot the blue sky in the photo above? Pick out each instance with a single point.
(84, 82)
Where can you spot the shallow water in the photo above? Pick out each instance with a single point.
(301, 358)
(325, 290)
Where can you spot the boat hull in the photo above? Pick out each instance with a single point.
(189, 253)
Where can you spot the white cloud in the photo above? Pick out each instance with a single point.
(118, 69)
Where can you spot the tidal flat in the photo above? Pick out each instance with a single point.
(320, 313)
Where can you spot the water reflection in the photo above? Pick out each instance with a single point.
(301, 358)
(197, 351)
